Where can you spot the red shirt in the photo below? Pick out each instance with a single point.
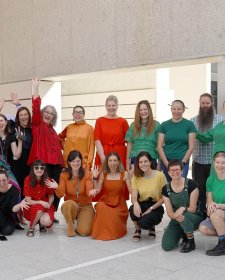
(46, 145)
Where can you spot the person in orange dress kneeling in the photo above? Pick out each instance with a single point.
(111, 215)
(39, 197)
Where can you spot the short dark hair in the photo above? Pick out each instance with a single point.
(137, 171)
(33, 178)
(175, 162)
(2, 171)
(81, 107)
(72, 155)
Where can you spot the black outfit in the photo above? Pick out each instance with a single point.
(19, 167)
(54, 171)
(200, 173)
(8, 218)
(149, 220)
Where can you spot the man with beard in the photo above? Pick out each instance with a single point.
(202, 154)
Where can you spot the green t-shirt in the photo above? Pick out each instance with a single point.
(217, 188)
(143, 142)
(176, 137)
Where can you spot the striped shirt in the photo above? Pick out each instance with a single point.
(202, 153)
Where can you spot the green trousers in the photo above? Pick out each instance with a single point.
(175, 229)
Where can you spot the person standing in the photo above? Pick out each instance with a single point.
(109, 134)
(78, 136)
(176, 139)
(46, 144)
(142, 134)
(202, 154)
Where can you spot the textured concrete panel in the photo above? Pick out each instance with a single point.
(17, 42)
(141, 33)
(52, 45)
(60, 37)
(198, 28)
(93, 38)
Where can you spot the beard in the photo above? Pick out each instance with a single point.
(205, 118)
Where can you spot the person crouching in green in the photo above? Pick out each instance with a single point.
(180, 198)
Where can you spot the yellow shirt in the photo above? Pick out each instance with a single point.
(80, 137)
(149, 187)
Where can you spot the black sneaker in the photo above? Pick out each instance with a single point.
(219, 250)
(189, 246)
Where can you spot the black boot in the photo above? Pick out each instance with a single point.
(189, 246)
(219, 250)
(183, 240)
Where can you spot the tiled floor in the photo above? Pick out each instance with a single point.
(54, 256)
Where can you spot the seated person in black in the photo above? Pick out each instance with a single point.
(9, 196)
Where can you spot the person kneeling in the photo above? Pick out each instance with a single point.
(75, 185)
(180, 197)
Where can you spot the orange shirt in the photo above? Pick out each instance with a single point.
(72, 189)
(80, 137)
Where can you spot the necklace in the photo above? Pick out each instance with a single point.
(77, 188)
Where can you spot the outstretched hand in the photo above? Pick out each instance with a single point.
(15, 99)
(35, 82)
(95, 171)
(24, 205)
(51, 184)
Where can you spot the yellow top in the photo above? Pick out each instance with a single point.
(149, 187)
(78, 136)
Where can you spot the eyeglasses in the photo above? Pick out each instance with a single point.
(174, 170)
(39, 167)
(49, 113)
(78, 112)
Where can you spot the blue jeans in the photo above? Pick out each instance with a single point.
(184, 171)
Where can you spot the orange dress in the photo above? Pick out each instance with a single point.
(111, 215)
(111, 133)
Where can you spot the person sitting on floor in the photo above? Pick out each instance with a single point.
(9, 205)
(214, 225)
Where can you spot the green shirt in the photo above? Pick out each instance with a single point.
(176, 141)
(217, 188)
(143, 142)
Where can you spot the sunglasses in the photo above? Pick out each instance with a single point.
(39, 167)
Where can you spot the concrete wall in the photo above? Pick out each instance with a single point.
(60, 37)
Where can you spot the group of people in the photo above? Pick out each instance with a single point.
(148, 160)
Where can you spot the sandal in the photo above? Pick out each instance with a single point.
(137, 235)
(42, 228)
(151, 233)
(30, 232)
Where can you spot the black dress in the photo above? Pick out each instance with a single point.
(19, 167)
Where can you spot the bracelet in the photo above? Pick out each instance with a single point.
(151, 208)
(17, 105)
(95, 179)
(183, 162)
